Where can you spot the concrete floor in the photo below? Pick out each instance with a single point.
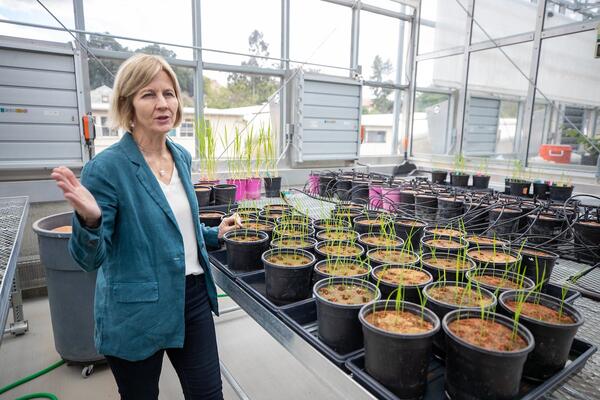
(261, 366)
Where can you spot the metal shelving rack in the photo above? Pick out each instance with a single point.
(13, 214)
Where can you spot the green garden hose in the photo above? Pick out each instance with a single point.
(222, 295)
(30, 378)
(40, 395)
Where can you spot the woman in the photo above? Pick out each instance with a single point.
(136, 221)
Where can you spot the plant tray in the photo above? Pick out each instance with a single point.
(302, 318)
(581, 351)
(219, 259)
(556, 291)
(254, 284)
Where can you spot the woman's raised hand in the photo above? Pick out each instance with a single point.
(77, 195)
(230, 223)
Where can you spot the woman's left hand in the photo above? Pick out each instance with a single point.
(229, 224)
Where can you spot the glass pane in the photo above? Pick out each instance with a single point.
(379, 58)
(240, 102)
(377, 120)
(169, 22)
(499, 19)
(567, 103)
(450, 25)
(571, 11)
(496, 94)
(241, 26)
(434, 122)
(31, 11)
(390, 5)
(320, 33)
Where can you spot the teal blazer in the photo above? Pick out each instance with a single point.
(138, 251)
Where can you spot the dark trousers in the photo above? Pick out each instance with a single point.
(196, 364)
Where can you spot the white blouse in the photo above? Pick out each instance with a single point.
(175, 194)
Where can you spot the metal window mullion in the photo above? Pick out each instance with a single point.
(533, 76)
(82, 76)
(373, 9)
(244, 69)
(570, 28)
(454, 51)
(462, 98)
(412, 84)
(398, 93)
(355, 31)
(285, 65)
(198, 70)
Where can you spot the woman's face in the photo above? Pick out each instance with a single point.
(155, 106)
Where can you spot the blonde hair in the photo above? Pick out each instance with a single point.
(134, 74)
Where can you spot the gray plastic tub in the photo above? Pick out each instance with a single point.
(70, 293)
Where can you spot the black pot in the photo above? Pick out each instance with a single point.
(273, 215)
(511, 259)
(224, 194)
(504, 221)
(426, 206)
(305, 243)
(552, 341)
(519, 188)
(521, 280)
(203, 195)
(459, 179)
(288, 284)
(343, 187)
(398, 361)
(368, 246)
(444, 274)
(547, 226)
(409, 292)
(541, 190)
(362, 225)
(441, 308)
(476, 373)
(481, 181)
(537, 267)
(326, 185)
(410, 230)
(211, 218)
(406, 201)
(293, 230)
(449, 207)
(331, 223)
(560, 193)
(442, 250)
(359, 193)
(338, 264)
(344, 234)
(410, 257)
(272, 186)
(338, 324)
(245, 256)
(587, 233)
(266, 226)
(323, 256)
(439, 177)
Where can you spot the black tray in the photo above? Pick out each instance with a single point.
(254, 284)
(556, 291)
(302, 318)
(580, 352)
(219, 259)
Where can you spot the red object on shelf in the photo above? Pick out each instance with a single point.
(559, 153)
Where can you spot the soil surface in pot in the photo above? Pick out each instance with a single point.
(63, 229)
(272, 214)
(293, 243)
(246, 238)
(380, 241)
(534, 253)
(279, 207)
(342, 268)
(346, 294)
(258, 226)
(409, 222)
(337, 235)
(209, 214)
(446, 232)
(451, 263)
(589, 223)
(487, 334)
(460, 296)
(488, 255)
(346, 214)
(288, 259)
(202, 189)
(393, 256)
(372, 221)
(402, 276)
(444, 243)
(293, 232)
(330, 224)
(541, 312)
(485, 240)
(339, 250)
(496, 281)
(399, 322)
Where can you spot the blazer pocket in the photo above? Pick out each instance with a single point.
(136, 292)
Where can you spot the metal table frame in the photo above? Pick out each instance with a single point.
(332, 376)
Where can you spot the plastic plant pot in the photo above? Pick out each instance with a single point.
(481, 181)
(338, 324)
(546, 227)
(537, 265)
(426, 206)
(240, 184)
(504, 220)
(499, 281)
(272, 186)
(459, 179)
(331, 223)
(344, 234)
(211, 218)
(541, 190)
(490, 257)
(587, 233)
(442, 231)
(259, 224)
(476, 241)
(288, 279)
(245, 255)
(342, 188)
(447, 267)
(411, 279)
(293, 230)
(359, 193)
(439, 177)
(369, 223)
(338, 249)
(449, 207)
(225, 194)
(203, 195)
(398, 360)
(304, 243)
(253, 188)
(473, 372)
(375, 196)
(406, 201)
(373, 239)
(395, 256)
(295, 219)
(390, 198)
(440, 307)
(273, 215)
(443, 245)
(519, 188)
(552, 340)
(326, 184)
(560, 193)
(341, 267)
(410, 230)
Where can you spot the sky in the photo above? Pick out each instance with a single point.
(319, 31)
